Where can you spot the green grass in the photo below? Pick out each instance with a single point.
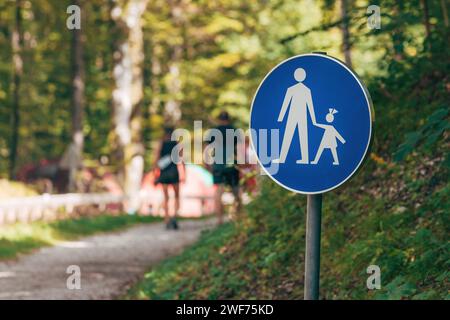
(23, 238)
(262, 256)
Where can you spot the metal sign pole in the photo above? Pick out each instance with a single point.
(312, 252)
(312, 259)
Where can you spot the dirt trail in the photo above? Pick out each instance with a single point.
(109, 263)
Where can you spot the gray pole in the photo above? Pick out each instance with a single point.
(312, 252)
(312, 255)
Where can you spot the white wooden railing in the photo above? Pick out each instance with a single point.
(48, 206)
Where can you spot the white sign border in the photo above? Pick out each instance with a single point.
(371, 115)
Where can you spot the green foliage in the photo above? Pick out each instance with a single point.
(45, 110)
(262, 256)
(227, 47)
(427, 135)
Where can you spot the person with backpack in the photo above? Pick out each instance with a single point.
(224, 167)
(169, 175)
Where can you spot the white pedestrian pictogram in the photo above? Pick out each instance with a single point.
(298, 100)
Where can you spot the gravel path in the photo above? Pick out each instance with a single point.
(109, 263)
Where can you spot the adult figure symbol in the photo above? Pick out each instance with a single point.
(298, 100)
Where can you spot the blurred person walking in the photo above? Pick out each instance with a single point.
(225, 171)
(169, 175)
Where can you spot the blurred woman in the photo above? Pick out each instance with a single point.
(169, 175)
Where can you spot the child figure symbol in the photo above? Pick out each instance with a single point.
(329, 138)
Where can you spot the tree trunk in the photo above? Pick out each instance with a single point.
(17, 44)
(346, 45)
(128, 94)
(398, 37)
(155, 78)
(78, 87)
(444, 12)
(426, 18)
(172, 108)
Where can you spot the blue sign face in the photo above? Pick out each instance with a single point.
(311, 123)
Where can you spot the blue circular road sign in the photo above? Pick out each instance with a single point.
(311, 123)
